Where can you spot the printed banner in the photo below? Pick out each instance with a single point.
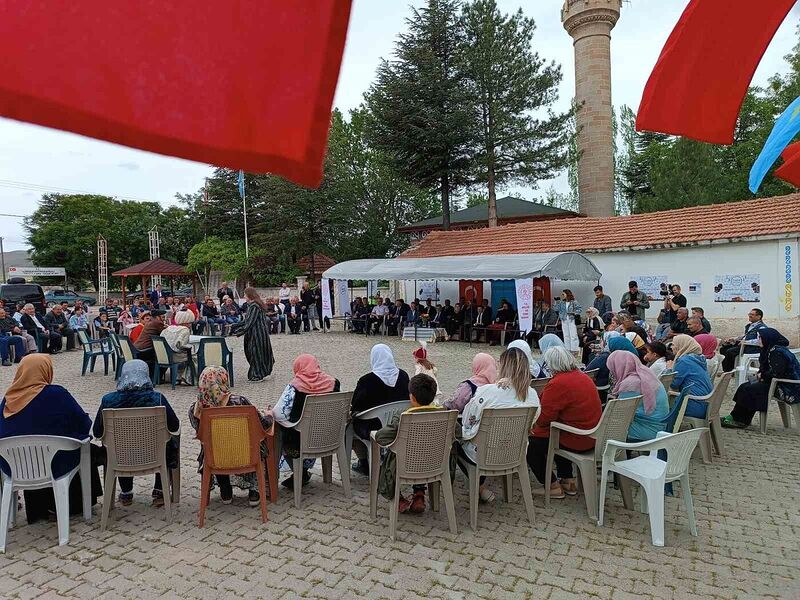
(694, 288)
(787, 268)
(342, 296)
(428, 289)
(525, 303)
(37, 272)
(326, 299)
(652, 285)
(737, 288)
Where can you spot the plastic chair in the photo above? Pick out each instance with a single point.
(502, 444)
(666, 380)
(322, 428)
(651, 473)
(231, 437)
(592, 374)
(92, 348)
(539, 384)
(422, 447)
(29, 458)
(136, 444)
(384, 413)
(165, 357)
(126, 351)
(746, 363)
(613, 425)
(214, 351)
(711, 421)
(784, 408)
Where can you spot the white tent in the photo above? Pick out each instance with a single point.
(565, 266)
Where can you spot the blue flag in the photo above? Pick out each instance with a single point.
(241, 183)
(786, 127)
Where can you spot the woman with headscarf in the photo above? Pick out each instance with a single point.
(484, 372)
(385, 383)
(34, 406)
(135, 390)
(254, 326)
(599, 363)
(540, 370)
(309, 380)
(591, 333)
(708, 343)
(213, 391)
(775, 361)
(632, 378)
(691, 374)
(522, 345)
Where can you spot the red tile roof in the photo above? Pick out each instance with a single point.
(322, 262)
(158, 266)
(681, 227)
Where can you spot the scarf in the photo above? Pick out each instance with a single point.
(484, 368)
(631, 375)
(212, 388)
(34, 373)
(549, 340)
(309, 377)
(685, 344)
(526, 349)
(769, 338)
(619, 342)
(134, 388)
(383, 364)
(708, 344)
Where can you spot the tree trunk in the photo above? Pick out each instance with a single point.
(492, 199)
(445, 192)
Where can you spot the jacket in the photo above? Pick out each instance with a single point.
(641, 297)
(53, 322)
(29, 324)
(570, 398)
(603, 305)
(691, 375)
(566, 308)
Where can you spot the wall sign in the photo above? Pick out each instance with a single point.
(737, 288)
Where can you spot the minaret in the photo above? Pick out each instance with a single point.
(589, 23)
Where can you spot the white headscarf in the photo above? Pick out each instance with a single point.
(383, 365)
(526, 349)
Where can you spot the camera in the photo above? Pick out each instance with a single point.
(667, 290)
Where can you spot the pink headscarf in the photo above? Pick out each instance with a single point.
(632, 376)
(309, 377)
(484, 369)
(708, 343)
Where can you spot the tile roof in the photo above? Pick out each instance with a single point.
(157, 266)
(321, 263)
(684, 226)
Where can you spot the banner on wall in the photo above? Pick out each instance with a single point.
(525, 303)
(428, 289)
(788, 289)
(737, 288)
(694, 288)
(326, 299)
(652, 285)
(470, 289)
(342, 297)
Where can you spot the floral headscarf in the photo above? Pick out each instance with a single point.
(213, 388)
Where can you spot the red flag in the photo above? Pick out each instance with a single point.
(242, 84)
(699, 82)
(789, 171)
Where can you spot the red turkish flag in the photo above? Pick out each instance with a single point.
(699, 82)
(241, 84)
(789, 171)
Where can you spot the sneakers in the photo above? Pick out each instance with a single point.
(125, 498)
(6, 363)
(418, 502)
(729, 423)
(158, 500)
(361, 467)
(253, 498)
(226, 497)
(570, 486)
(486, 496)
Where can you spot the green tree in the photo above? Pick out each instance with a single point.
(508, 83)
(216, 254)
(422, 118)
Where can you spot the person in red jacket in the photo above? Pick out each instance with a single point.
(570, 398)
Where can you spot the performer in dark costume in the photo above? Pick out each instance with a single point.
(255, 328)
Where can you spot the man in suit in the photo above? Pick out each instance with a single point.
(730, 347)
(56, 322)
(487, 313)
(156, 295)
(51, 340)
(412, 316)
(294, 315)
(397, 317)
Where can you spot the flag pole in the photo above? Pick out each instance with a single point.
(243, 194)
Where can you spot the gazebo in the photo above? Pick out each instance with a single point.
(148, 269)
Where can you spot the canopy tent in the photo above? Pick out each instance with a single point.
(149, 268)
(566, 266)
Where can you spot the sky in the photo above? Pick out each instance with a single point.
(32, 156)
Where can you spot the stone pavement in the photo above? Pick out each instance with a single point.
(746, 504)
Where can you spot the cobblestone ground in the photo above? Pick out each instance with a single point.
(746, 505)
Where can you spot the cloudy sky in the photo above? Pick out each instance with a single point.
(34, 158)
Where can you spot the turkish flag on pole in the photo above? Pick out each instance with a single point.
(699, 82)
(241, 84)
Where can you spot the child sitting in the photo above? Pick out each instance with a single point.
(421, 390)
(425, 367)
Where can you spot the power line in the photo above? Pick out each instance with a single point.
(35, 187)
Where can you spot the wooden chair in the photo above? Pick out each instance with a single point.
(231, 437)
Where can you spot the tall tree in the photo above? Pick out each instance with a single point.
(508, 83)
(422, 118)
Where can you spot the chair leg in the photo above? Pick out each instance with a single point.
(433, 492)
(796, 413)
(92, 362)
(474, 486)
(603, 489)
(108, 497)
(527, 496)
(262, 491)
(273, 460)
(61, 494)
(393, 511)
(654, 488)
(687, 500)
(705, 447)
(783, 408)
(548, 472)
(205, 490)
(588, 471)
(86, 482)
(175, 484)
(105, 364)
(327, 469)
(85, 364)
(344, 470)
(626, 491)
(508, 488)
(374, 474)
(449, 502)
(762, 421)
(297, 468)
(8, 497)
(716, 436)
(166, 494)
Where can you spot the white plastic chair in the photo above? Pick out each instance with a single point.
(651, 473)
(502, 444)
(784, 408)
(384, 413)
(711, 420)
(746, 364)
(29, 458)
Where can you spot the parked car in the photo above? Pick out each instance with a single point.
(57, 296)
(17, 290)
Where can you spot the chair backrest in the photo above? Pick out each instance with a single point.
(796, 352)
(679, 447)
(323, 422)
(672, 422)
(423, 443)
(212, 351)
(502, 438)
(592, 374)
(29, 457)
(135, 438)
(539, 384)
(126, 348)
(385, 412)
(666, 379)
(83, 337)
(162, 350)
(231, 437)
(718, 395)
(615, 422)
(114, 341)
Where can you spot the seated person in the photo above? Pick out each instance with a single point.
(177, 338)
(540, 370)
(294, 315)
(632, 378)
(144, 343)
(33, 325)
(694, 326)
(600, 363)
(56, 322)
(570, 398)
(699, 313)
(397, 317)
(413, 316)
(103, 326)
(691, 374)
(229, 311)
(213, 391)
(78, 320)
(309, 380)
(212, 316)
(657, 357)
(360, 316)
(708, 343)
(679, 325)
(590, 335)
(385, 383)
(144, 317)
(512, 390)
(112, 309)
(730, 347)
(421, 390)
(455, 319)
(484, 372)
(275, 316)
(135, 390)
(19, 310)
(376, 318)
(505, 315)
(11, 334)
(34, 406)
(545, 319)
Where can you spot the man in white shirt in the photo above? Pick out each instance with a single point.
(284, 294)
(376, 317)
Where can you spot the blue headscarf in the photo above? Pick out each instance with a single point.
(549, 340)
(134, 388)
(621, 343)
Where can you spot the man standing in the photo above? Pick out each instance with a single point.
(283, 295)
(310, 308)
(11, 335)
(224, 290)
(601, 302)
(673, 302)
(155, 296)
(730, 347)
(634, 302)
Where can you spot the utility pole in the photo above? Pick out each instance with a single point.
(3, 258)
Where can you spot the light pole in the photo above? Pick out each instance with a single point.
(2, 258)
